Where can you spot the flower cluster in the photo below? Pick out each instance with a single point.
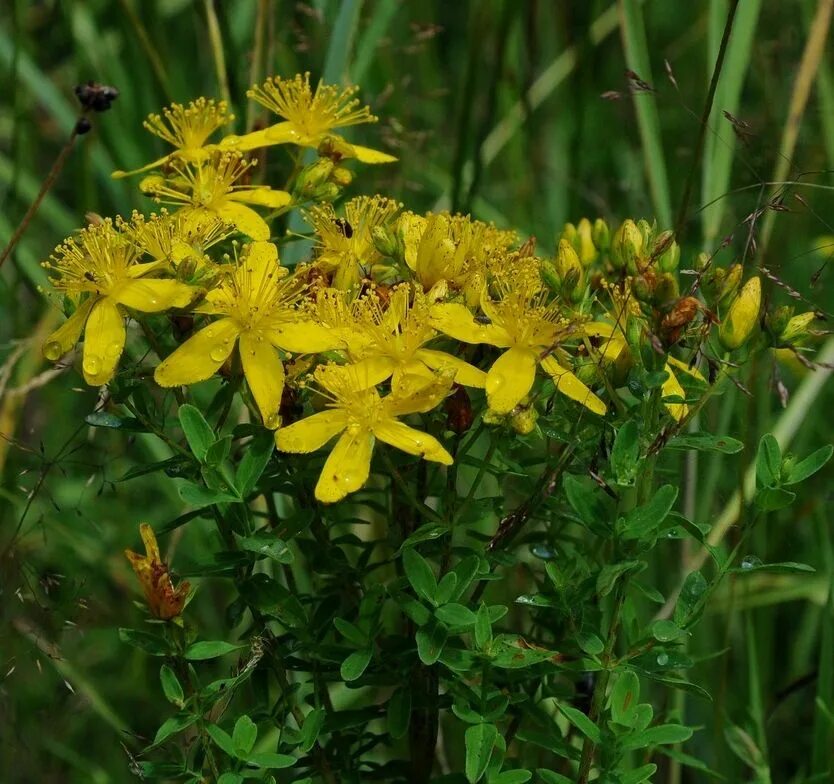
(393, 312)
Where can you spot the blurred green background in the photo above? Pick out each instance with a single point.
(520, 111)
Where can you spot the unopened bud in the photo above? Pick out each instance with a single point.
(742, 317)
(667, 252)
(702, 261)
(731, 283)
(642, 288)
(328, 191)
(627, 246)
(550, 276)
(646, 231)
(712, 283)
(385, 241)
(601, 235)
(797, 327)
(568, 233)
(311, 177)
(584, 243)
(776, 321)
(666, 288)
(524, 420)
(342, 176)
(569, 268)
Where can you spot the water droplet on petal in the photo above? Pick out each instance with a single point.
(53, 350)
(218, 354)
(113, 350)
(92, 364)
(272, 421)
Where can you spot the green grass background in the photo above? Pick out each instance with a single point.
(516, 110)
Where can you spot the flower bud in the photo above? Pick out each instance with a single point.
(312, 176)
(627, 246)
(741, 318)
(777, 320)
(667, 252)
(731, 283)
(797, 327)
(568, 233)
(328, 191)
(646, 231)
(523, 421)
(550, 276)
(385, 241)
(601, 235)
(702, 261)
(569, 268)
(712, 283)
(342, 176)
(666, 288)
(584, 243)
(643, 288)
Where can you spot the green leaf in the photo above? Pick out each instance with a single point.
(218, 451)
(666, 631)
(693, 590)
(639, 774)
(399, 713)
(222, 739)
(581, 722)
(625, 454)
(145, 641)
(197, 431)
(355, 664)
(551, 777)
(624, 698)
(310, 729)
(511, 777)
(706, 442)
(744, 747)
(768, 461)
(590, 643)
(230, 778)
(771, 499)
(171, 687)
(753, 564)
(657, 736)
(103, 419)
(430, 642)
(799, 472)
(271, 760)
(425, 533)
(267, 544)
(446, 588)
(590, 503)
(197, 495)
(351, 632)
(174, 725)
(210, 649)
(420, 575)
(483, 627)
(610, 574)
(645, 520)
(254, 462)
(244, 736)
(479, 741)
(455, 615)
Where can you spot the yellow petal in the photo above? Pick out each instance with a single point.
(412, 441)
(465, 374)
(347, 467)
(411, 377)
(367, 155)
(66, 336)
(311, 433)
(600, 329)
(372, 371)
(510, 379)
(141, 269)
(693, 371)
(263, 197)
(264, 373)
(249, 141)
(151, 295)
(283, 133)
(303, 337)
(417, 395)
(104, 341)
(671, 388)
(456, 321)
(200, 356)
(120, 174)
(244, 219)
(570, 386)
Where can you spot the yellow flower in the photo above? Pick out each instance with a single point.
(310, 117)
(187, 128)
(173, 238)
(346, 245)
(164, 601)
(207, 189)
(258, 306)
(361, 416)
(451, 248)
(99, 271)
(530, 328)
(389, 342)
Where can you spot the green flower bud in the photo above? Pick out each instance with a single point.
(313, 176)
(569, 268)
(797, 327)
(601, 236)
(584, 243)
(731, 283)
(342, 176)
(642, 288)
(523, 421)
(668, 252)
(647, 232)
(627, 246)
(777, 320)
(550, 276)
(568, 233)
(742, 317)
(385, 241)
(666, 288)
(701, 262)
(329, 191)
